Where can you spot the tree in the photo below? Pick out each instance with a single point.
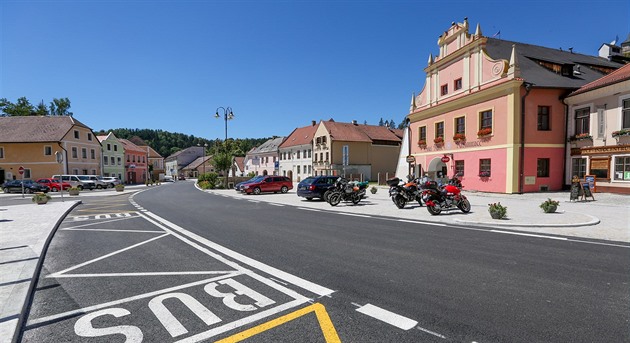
(381, 123)
(60, 107)
(41, 109)
(21, 108)
(391, 124)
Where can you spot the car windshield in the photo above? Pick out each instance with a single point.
(309, 180)
(255, 179)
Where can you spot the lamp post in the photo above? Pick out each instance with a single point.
(227, 115)
(203, 161)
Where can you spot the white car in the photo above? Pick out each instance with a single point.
(111, 181)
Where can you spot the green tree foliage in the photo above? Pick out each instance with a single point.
(23, 107)
(60, 107)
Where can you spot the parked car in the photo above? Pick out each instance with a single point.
(315, 186)
(270, 183)
(98, 183)
(239, 186)
(30, 186)
(53, 184)
(79, 181)
(111, 181)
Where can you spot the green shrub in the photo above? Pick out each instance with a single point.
(205, 185)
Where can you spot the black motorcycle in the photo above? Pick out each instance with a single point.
(345, 190)
(402, 194)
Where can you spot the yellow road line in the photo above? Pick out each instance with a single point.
(328, 329)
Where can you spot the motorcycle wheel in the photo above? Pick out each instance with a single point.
(464, 205)
(334, 199)
(327, 195)
(356, 198)
(399, 201)
(434, 210)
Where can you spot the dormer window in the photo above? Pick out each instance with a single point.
(567, 70)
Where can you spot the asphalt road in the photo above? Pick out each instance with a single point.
(180, 264)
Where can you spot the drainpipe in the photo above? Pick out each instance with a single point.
(521, 181)
(411, 167)
(65, 158)
(566, 143)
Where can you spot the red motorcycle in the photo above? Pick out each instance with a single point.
(445, 198)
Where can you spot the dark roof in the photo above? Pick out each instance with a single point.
(619, 75)
(269, 146)
(532, 71)
(20, 129)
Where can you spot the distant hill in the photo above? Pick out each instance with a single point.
(167, 143)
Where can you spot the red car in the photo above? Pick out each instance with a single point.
(270, 183)
(53, 184)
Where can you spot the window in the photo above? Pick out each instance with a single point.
(109, 147)
(76, 134)
(133, 159)
(119, 162)
(128, 158)
(89, 136)
(459, 167)
(298, 154)
(423, 133)
(75, 153)
(457, 85)
(304, 153)
(298, 169)
(309, 153)
(1, 152)
(326, 156)
(92, 154)
(115, 147)
(622, 168)
(460, 125)
(47, 150)
(310, 171)
(27, 173)
(582, 120)
(439, 129)
(321, 156)
(485, 167)
(485, 120)
(578, 167)
(543, 118)
(444, 90)
(83, 152)
(75, 171)
(314, 157)
(625, 114)
(543, 167)
(105, 160)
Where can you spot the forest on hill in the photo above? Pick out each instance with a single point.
(166, 143)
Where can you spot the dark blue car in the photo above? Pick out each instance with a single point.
(315, 186)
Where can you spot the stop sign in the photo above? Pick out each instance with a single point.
(445, 159)
(21, 170)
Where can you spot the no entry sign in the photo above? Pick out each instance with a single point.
(445, 159)
(21, 170)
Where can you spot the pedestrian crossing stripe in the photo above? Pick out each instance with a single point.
(105, 216)
(328, 329)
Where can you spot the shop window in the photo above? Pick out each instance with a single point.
(600, 167)
(578, 167)
(543, 118)
(543, 167)
(622, 168)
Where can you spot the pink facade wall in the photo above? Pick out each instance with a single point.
(556, 168)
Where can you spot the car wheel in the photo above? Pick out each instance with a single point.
(54, 189)
(99, 187)
(27, 190)
(5, 189)
(284, 189)
(256, 191)
(80, 188)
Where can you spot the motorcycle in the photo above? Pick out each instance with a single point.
(347, 191)
(445, 198)
(405, 193)
(362, 190)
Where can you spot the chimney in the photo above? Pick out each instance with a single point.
(313, 122)
(354, 122)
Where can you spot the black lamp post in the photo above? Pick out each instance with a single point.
(227, 115)
(203, 161)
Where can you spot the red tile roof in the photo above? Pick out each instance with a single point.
(300, 136)
(128, 146)
(361, 133)
(616, 76)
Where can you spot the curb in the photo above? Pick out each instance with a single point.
(594, 221)
(17, 334)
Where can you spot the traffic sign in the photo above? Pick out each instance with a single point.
(21, 170)
(411, 159)
(445, 159)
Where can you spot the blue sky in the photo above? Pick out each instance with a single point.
(279, 64)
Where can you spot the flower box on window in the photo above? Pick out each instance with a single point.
(422, 143)
(438, 140)
(622, 132)
(484, 132)
(580, 137)
(484, 174)
(459, 137)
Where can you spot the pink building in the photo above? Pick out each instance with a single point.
(491, 110)
(136, 162)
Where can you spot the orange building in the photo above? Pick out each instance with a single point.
(136, 162)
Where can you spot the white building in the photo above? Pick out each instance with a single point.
(263, 160)
(296, 160)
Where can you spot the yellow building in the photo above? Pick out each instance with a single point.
(47, 145)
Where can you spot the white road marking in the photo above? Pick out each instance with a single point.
(274, 204)
(102, 222)
(419, 222)
(432, 332)
(106, 256)
(354, 214)
(125, 300)
(111, 230)
(144, 274)
(388, 317)
(529, 235)
(309, 209)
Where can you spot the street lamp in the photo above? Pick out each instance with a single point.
(203, 161)
(227, 115)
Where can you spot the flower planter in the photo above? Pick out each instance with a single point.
(496, 215)
(119, 189)
(550, 209)
(73, 191)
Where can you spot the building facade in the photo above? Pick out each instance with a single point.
(33, 142)
(113, 156)
(174, 163)
(295, 153)
(136, 163)
(598, 132)
(264, 160)
(491, 111)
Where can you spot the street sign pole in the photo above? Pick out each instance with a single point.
(21, 171)
(59, 157)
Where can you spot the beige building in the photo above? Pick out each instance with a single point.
(366, 152)
(33, 142)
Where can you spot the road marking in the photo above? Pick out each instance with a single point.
(106, 256)
(104, 216)
(432, 332)
(309, 209)
(388, 317)
(125, 300)
(354, 215)
(419, 222)
(144, 274)
(328, 329)
(99, 223)
(599, 243)
(295, 280)
(529, 235)
(274, 204)
(111, 230)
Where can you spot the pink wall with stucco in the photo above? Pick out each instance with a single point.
(545, 97)
(556, 169)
